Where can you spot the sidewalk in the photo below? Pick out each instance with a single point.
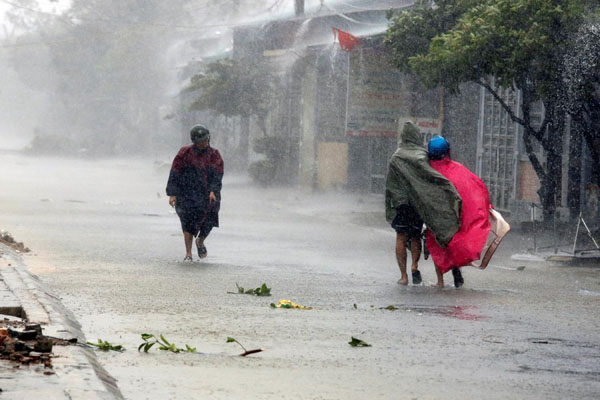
(75, 373)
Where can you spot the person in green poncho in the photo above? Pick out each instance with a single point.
(416, 194)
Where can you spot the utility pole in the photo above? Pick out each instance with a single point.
(299, 8)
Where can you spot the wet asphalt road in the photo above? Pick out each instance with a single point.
(105, 239)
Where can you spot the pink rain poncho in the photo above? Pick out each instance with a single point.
(466, 245)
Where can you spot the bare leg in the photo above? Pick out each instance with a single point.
(440, 277)
(401, 256)
(188, 239)
(415, 251)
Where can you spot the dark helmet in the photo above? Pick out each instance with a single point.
(438, 148)
(199, 133)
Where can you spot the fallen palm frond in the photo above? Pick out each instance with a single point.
(105, 345)
(163, 344)
(259, 291)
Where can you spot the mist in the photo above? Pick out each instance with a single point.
(100, 78)
(165, 161)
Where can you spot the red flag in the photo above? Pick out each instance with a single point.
(347, 41)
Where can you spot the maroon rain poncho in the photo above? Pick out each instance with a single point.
(467, 244)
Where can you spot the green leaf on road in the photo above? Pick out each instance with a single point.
(105, 345)
(263, 290)
(355, 342)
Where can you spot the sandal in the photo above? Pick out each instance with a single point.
(202, 253)
(188, 259)
(416, 277)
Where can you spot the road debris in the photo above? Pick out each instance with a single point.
(150, 340)
(259, 291)
(289, 304)
(355, 342)
(246, 352)
(7, 239)
(105, 345)
(23, 343)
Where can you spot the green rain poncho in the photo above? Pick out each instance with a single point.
(412, 181)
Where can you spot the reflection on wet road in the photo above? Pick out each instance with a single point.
(111, 248)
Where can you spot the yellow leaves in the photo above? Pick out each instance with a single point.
(289, 304)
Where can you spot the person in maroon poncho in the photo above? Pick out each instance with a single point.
(194, 189)
(467, 244)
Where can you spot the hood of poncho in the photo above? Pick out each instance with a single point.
(411, 135)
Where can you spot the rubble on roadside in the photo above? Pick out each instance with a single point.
(23, 344)
(7, 239)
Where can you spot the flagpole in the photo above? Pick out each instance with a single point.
(347, 94)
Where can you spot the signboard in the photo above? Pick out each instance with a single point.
(375, 95)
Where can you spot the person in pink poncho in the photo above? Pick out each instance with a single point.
(467, 244)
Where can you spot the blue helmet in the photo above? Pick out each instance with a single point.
(438, 148)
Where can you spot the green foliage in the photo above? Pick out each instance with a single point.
(105, 345)
(262, 172)
(232, 340)
(100, 64)
(271, 146)
(246, 352)
(233, 88)
(259, 291)
(521, 43)
(355, 342)
(150, 340)
(582, 81)
(411, 31)
(517, 41)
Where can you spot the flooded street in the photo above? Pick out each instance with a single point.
(105, 239)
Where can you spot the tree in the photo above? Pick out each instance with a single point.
(235, 88)
(582, 102)
(522, 43)
(106, 64)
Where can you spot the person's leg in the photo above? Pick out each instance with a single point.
(440, 277)
(415, 251)
(415, 255)
(188, 238)
(202, 253)
(202, 235)
(401, 256)
(458, 278)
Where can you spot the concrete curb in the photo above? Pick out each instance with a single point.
(78, 374)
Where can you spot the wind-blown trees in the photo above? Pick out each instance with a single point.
(234, 88)
(106, 62)
(521, 43)
(582, 80)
